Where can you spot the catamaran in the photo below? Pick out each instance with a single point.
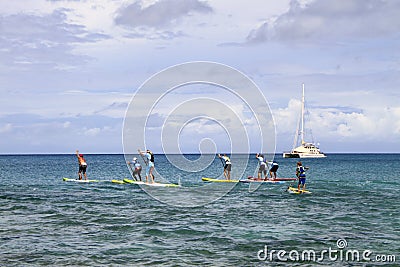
(306, 149)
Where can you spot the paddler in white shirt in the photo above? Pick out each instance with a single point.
(227, 166)
(262, 167)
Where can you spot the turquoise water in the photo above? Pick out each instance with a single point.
(45, 221)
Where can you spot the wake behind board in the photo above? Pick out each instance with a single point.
(79, 181)
(294, 190)
(274, 179)
(129, 181)
(205, 179)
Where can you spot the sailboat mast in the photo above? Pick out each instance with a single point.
(302, 117)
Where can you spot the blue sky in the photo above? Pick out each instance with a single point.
(68, 69)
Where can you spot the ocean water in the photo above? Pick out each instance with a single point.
(44, 221)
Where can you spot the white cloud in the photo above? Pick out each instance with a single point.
(43, 40)
(331, 21)
(92, 131)
(35, 134)
(67, 124)
(6, 128)
(330, 125)
(286, 119)
(52, 105)
(159, 14)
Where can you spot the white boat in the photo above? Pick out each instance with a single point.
(306, 149)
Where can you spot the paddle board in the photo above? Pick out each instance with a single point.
(79, 181)
(205, 179)
(117, 181)
(129, 181)
(261, 181)
(275, 179)
(294, 190)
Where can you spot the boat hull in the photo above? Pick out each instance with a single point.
(312, 156)
(291, 155)
(303, 155)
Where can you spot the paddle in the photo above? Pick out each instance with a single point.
(223, 162)
(291, 184)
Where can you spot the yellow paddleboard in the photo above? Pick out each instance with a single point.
(205, 179)
(129, 181)
(80, 181)
(117, 181)
(294, 190)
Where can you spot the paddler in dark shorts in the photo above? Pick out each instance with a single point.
(227, 166)
(301, 175)
(273, 169)
(82, 165)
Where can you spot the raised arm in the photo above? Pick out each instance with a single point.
(141, 152)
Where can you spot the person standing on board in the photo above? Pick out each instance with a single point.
(301, 175)
(82, 165)
(227, 166)
(262, 167)
(273, 169)
(137, 168)
(150, 164)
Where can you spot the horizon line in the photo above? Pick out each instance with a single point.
(188, 153)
